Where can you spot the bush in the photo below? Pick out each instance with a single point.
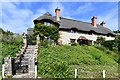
(108, 44)
(100, 40)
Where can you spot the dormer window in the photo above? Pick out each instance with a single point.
(90, 33)
(108, 35)
(72, 31)
(47, 23)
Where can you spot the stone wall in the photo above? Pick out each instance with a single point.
(8, 66)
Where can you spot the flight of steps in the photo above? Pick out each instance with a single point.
(25, 65)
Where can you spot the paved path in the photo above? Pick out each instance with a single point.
(26, 64)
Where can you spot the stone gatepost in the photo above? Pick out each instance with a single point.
(24, 40)
(8, 66)
(37, 40)
(31, 67)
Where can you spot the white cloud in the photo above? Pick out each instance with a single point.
(84, 9)
(60, 0)
(16, 19)
(54, 5)
(68, 13)
(110, 17)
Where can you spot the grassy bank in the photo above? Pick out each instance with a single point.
(60, 61)
(11, 48)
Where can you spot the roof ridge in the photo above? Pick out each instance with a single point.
(80, 21)
(75, 20)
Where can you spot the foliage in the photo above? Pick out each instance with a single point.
(113, 44)
(10, 49)
(117, 31)
(108, 44)
(46, 31)
(117, 43)
(31, 40)
(10, 42)
(100, 40)
(60, 61)
(45, 43)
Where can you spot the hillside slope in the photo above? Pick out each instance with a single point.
(61, 61)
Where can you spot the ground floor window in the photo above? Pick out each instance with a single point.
(72, 40)
(82, 42)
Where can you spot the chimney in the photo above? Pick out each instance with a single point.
(94, 21)
(103, 23)
(57, 11)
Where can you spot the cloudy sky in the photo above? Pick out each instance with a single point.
(18, 16)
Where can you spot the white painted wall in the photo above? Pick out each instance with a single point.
(66, 36)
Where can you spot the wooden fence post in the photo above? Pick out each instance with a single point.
(75, 73)
(103, 73)
(36, 71)
(3, 71)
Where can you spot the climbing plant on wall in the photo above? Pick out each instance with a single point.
(49, 32)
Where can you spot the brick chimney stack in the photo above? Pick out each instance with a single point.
(103, 23)
(57, 11)
(94, 21)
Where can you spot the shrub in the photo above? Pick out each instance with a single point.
(108, 44)
(100, 40)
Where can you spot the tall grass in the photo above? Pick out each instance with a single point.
(56, 61)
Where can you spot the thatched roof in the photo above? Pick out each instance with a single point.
(66, 23)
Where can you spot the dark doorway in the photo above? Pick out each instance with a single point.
(83, 40)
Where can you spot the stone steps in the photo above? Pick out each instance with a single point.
(26, 63)
(23, 65)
